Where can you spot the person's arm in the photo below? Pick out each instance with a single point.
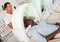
(7, 21)
(51, 36)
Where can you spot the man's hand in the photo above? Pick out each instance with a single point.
(10, 25)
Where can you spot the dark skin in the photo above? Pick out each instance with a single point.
(52, 35)
(29, 21)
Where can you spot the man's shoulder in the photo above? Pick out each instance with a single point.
(2, 12)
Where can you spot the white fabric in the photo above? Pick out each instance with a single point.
(2, 13)
(7, 18)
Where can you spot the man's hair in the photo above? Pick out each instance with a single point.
(28, 21)
(5, 5)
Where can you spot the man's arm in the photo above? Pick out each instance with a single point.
(51, 36)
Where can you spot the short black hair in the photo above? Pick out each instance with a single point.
(5, 5)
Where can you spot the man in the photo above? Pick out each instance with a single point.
(8, 14)
(42, 31)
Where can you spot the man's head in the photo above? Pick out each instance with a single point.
(28, 21)
(8, 7)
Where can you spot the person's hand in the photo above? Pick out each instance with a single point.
(10, 25)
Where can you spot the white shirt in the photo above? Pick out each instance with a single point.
(7, 18)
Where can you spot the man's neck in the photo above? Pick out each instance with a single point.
(9, 12)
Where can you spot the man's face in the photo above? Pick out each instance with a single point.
(9, 7)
